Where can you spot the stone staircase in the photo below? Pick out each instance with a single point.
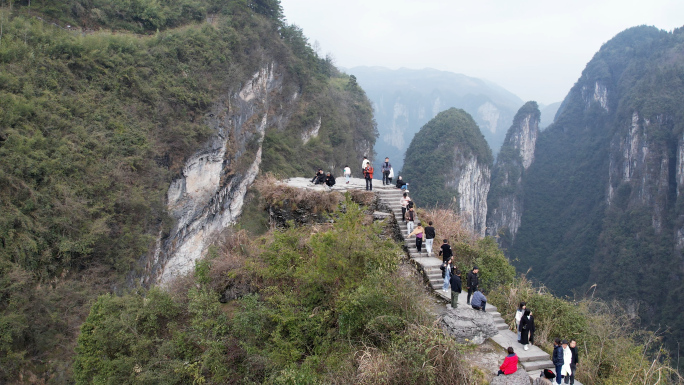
(533, 360)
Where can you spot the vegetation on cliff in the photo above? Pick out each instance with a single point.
(602, 199)
(307, 304)
(435, 153)
(95, 124)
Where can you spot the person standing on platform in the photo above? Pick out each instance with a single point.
(391, 175)
(455, 282)
(472, 282)
(347, 173)
(364, 163)
(558, 359)
(429, 238)
(574, 362)
(368, 175)
(385, 168)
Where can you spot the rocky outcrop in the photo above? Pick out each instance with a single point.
(505, 200)
(467, 325)
(448, 164)
(520, 377)
(208, 195)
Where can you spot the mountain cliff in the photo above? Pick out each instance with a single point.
(128, 138)
(505, 199)
(603, 202)
(448, 164)
(404, 100)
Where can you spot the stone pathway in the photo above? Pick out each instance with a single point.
(532, 360)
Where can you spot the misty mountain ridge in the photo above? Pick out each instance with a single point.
(405, 99)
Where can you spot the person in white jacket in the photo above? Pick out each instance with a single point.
(566, 370)
(518, 317)
(391, 175)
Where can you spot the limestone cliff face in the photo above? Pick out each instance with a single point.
(505, 201)
(209, 194)
(448, 164)
(471, 179)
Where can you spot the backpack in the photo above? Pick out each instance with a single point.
(548, 374)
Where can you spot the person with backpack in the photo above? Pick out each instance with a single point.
(411, 216)
(472, 282)
(447, 268)
(368, 175)
(455, 282)
(385, 168)
(557, 358)
(429, 238)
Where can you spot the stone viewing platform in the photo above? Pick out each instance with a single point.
(464, 323)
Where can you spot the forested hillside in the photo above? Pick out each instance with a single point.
(102, 103)
(603, 199)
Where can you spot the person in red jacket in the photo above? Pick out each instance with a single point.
(510, 364)
(368, 174)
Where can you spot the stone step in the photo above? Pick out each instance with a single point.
(537, 365)
(501, 326)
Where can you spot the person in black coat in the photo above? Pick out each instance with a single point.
(319, 178)
(472, 282)
(526, 329)
(330, 180)
(455, 282)
(575, 360)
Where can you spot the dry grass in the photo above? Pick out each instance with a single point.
(448, 225)
(278, 194)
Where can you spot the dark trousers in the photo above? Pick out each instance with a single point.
(558, 373)
(369, 184)
(419, 243)
(500, 373)
(403, 214)
(483, 307)
(385, 178)
(573, 367)
(454, 299)
(470, 293)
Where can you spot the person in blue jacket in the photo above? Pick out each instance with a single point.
(479, 301)
(558, 358)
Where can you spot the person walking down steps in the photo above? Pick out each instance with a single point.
(419, 232)
(429, 237)
(410, 218)
(447, 269)
(445, 251)
(404, 201)
(472, 282)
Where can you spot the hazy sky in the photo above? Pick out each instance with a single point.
(535, 49)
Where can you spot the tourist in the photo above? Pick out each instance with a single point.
(319, 178)
(410, 218)
(455, 282)
(330, 180)
(526, 329)
(391, 175)
(566, 371)
(557, 358)
(385, 168)
(419, 232)
(510, 364)
(364, 163)
(472, 282)
(575, 360)
(368, 175)
(401, 184)
(429, 238)
(518, 317)
(479, 301)
(347, 173)
(447, 269)
(445, 251)
(404, 201)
